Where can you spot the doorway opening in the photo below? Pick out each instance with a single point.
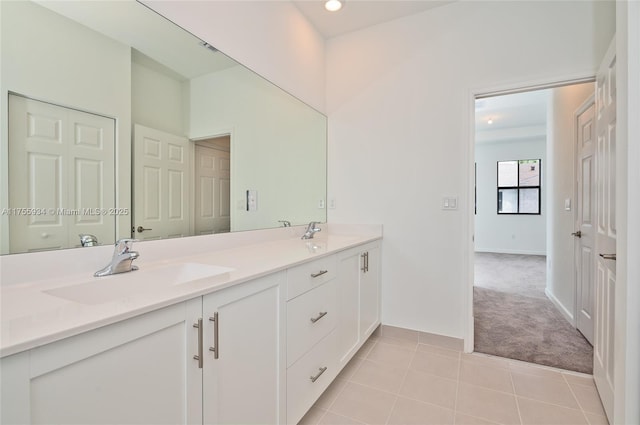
(525, 294)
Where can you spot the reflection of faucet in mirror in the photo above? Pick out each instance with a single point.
(285, 223)
(88, 240)
(312, 228)
(121, 260)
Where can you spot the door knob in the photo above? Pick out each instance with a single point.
(577, 234)
(608, 256)
(141, 229)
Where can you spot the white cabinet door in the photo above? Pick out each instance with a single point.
(133, 372)
(348, 302)
(359, 298)
(244, 362)
(369, 291)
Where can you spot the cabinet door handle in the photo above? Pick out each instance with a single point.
(321, 371)
(365, 262)
(320, 273)
(216, 351)
(608, 256)
(320, 316)
(199, 356)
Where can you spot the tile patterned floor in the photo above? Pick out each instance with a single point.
(405, 377)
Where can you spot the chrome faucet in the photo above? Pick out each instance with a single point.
(121, 260)
(285, 223)
(88, 240)
(311, 230)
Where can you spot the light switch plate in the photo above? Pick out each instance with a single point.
(450, 203)
(567, 204)
(252, 200)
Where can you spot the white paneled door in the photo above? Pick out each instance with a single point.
(161, 176)
(212, 190)
(585, 237)
(605, 243)
(61, 165)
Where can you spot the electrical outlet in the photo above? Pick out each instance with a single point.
(321, 204)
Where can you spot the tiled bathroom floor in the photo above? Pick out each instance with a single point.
(400, 377)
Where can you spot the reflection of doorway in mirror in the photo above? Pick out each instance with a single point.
(161, 164)
(61, 174)
(212, 178)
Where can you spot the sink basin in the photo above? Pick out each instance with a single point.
(99, 290)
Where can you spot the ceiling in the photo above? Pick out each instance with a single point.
(358, 14)
(512, 110)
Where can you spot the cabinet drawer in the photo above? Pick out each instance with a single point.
(310, 317)
(302, 391)
(307, 276)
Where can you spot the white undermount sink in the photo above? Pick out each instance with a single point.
(98, 290)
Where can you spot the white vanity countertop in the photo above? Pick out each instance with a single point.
(31, 317)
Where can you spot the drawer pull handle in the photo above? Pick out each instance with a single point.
(199, 356)
(216, 343)
(320, 316)
(320, 273)
(315, 378)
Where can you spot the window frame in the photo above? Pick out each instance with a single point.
(518, 188)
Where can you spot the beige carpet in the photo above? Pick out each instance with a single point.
(514, 318)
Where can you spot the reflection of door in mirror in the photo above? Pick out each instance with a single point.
(212, 186)
(161, 207)
(61, 168)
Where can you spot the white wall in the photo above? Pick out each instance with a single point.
(277, 142)
(157, 100)
(97, 70)
(510, 234)
(561, 285)
(399, 100)
(272, 38)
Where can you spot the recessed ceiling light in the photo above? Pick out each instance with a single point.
(333, 5)
(490, 121)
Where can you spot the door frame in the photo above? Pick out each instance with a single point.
(469, 244)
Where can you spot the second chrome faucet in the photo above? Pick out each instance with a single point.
(312, 229)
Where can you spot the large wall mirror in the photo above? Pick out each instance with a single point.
(118, 123)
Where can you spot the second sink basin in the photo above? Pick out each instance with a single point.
(99, 290)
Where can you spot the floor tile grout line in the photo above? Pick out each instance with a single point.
(325, 411)
(579, 409)
(404, 379)
(584, 413)
(455, 400)
(348, 380)
(515, 395)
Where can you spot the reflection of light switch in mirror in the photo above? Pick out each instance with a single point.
(567, 204)
(450, 203)
(252, 200)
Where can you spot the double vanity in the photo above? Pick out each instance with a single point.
(246, 327)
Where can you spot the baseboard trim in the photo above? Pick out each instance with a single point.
(442, 341)
(511, 251)
(565, 312)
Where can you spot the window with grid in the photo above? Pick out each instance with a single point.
(519, 186)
